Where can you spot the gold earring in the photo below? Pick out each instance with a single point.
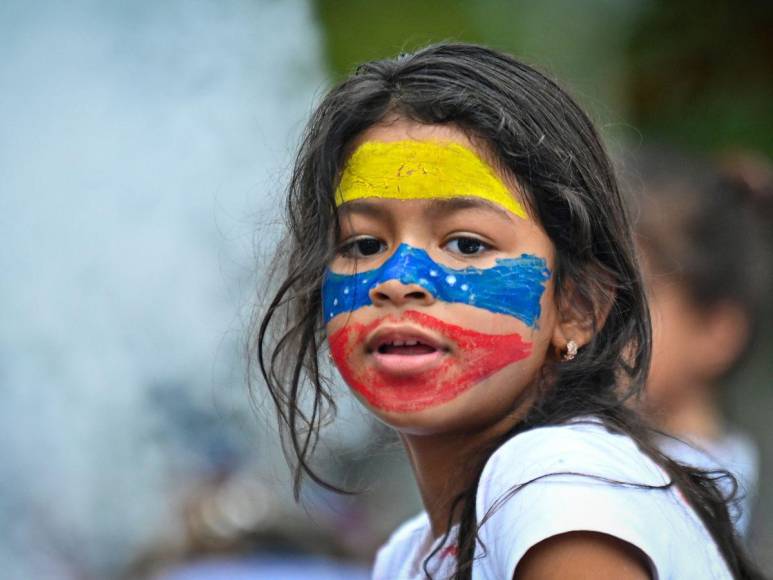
(571, 351)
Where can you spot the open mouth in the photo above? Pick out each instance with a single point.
(401, 337)
(407, 360)
(401, 349)
(405, 348)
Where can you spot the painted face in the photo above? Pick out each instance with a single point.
(513, 286)
(408, 170)
(438, 291)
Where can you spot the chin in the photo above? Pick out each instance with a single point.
(486, 405)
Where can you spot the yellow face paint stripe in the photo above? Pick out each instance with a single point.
(422, 170)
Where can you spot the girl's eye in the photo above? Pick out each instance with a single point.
(362, 247)
(467, 246)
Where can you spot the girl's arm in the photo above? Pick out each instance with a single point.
(583, 555)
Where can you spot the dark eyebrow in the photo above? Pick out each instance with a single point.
(437, 208)
(360, 206)
(443, 207)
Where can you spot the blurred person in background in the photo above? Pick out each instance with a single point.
(707, 269)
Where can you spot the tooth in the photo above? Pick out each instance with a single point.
(398, 343)
(411, 342)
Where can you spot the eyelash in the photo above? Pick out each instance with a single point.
(350, 248)
(483, 246)
(353, 248)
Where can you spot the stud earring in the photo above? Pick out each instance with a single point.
(571, 351)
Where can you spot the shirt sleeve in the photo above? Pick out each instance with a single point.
(540, 485)
(394, 558)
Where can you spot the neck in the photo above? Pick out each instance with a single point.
(446, 465)
(696, 416)
(442, 468)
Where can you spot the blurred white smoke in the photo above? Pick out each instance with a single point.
(141, 143)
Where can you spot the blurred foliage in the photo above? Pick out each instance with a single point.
(356, 31)
(683, 71)
(701, 74)
(580, 42)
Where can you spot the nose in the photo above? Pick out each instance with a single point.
(399, 294)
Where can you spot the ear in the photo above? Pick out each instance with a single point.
(579, 317)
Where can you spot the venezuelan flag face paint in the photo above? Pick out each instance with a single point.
(513, 286)
(435, 384)
(408, 356)
(422, 170)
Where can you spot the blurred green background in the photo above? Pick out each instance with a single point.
(660, 68)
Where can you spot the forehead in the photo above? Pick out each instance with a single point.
(409, 162)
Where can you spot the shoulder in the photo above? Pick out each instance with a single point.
(408, 532)
(735, 452)
(585, 447)
(401, 549)
(579, 477)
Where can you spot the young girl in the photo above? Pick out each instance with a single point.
(457, 240)
(707, 274)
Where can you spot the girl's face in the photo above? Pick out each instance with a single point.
(439, 304)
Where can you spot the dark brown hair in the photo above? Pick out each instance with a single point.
(540, 136)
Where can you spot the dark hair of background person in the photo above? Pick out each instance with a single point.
(539, 135)
(703, 222)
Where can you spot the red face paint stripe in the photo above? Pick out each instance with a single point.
(476, 356)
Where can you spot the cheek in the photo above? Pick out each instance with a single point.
(490, 316)
(474, 357)
(675, 363)
(673, 326)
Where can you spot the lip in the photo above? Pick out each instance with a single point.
(405, 364)
(390, 332)
(390, 383)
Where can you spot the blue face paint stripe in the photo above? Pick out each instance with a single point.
(512, 286)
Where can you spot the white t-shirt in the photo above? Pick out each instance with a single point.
(657, 521)
(735, 452)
